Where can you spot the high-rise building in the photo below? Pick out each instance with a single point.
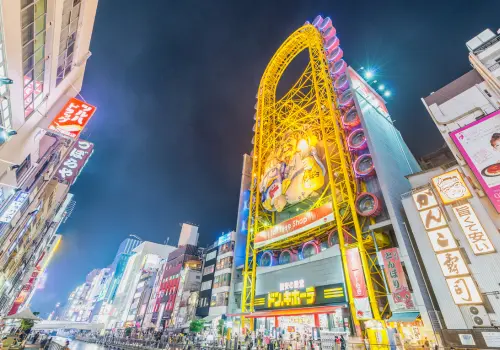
(453, 210)
(44, 46)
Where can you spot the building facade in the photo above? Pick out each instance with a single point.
(453, 210)
(43, 52)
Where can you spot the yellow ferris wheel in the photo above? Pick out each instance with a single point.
(308, 120)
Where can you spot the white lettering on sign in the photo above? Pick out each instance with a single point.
(292, 285)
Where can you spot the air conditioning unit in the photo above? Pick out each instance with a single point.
(478, 316)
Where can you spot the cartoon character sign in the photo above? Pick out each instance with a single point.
(294, 172)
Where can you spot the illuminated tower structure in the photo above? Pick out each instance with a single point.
(327, 159)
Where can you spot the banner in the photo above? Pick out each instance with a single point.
(74, 162)
(358, 284)
(71, 120)
(397, 281)
(293, 226)
(479, 144)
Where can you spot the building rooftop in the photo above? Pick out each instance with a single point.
(454, 88)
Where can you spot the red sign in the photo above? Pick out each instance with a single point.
(71, 120)
(293, 226)
(74, 162)
(356, 274)
(397, 280)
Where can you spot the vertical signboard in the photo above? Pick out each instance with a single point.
(473, 230)
(74, 162)
(479, 144)
(397, 281)
(71, 120)
(450, 260)
(358, 284)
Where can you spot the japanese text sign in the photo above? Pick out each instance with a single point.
(397, 280)
(464, 290)
(442, 239)
(451, 187)
(473, 230)
(424, 199)
(74, 162)
(13, 208)
(452, 263)
(433, 218)
(356, 274)
(71, 120)
(291, 298)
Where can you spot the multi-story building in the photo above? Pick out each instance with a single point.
(326, 244)
(186, 298)
(147, 257)
(44, 46)
(218, 264)
(167, 283)
(453, 210)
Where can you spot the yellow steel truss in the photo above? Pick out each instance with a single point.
(311, 103)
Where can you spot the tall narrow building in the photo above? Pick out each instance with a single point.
(44, 47)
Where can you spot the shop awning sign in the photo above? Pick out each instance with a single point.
(72, 118)
(300, 297)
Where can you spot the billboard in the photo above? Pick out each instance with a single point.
(479, 144)
(358, 284)
(397, 281)
(295, 225)
(71, 120)
(14, 207)
(367, 93)
(74, 162)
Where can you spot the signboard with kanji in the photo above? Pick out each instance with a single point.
(473, 230)
(74, 162)
(71, 120)
(397, 280)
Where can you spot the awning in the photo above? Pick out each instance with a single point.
(409, 316)
(290, 312)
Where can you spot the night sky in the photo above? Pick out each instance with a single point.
(175, 82)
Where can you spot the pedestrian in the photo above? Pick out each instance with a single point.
(66, 345)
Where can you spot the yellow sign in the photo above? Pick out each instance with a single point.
(464, 290)
(451, 187)
(452, 263)
(473, 230)
(291, 298)
(433, 218)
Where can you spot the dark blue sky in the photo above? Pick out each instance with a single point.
(175, 85)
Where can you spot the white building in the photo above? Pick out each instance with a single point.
(44, 46)
(147, 256)
(453, 210)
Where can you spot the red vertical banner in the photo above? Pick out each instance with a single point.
(358, 284)
(397, 281)
(356, 275)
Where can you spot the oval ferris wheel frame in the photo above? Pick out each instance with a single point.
(312, 101)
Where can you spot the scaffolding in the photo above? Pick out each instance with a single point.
(310, 103)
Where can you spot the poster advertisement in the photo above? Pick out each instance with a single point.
(397, 281)
(358, 284)
(71, 120)
(479, 144)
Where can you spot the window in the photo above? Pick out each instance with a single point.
(5, 115)
(221, 299)
(225, 263)
(222, 280)
(206, 285)
(209, 269)
(226, 247)
(33, 17)
(69, 29)
(211, 255)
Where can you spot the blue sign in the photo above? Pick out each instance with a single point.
(224, 239)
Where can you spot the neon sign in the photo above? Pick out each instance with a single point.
(291, 298)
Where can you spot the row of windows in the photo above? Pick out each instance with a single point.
(222, 280)
(225, 263)
(220, 299)
(206, 285)
(33, 17)
(209, 269)
(5, 120)
(226, 247)
(67, 40)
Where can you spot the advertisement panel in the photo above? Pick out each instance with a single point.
(293, 226)
(397, 281)
(363, 89)
(74, 162)
(473, 230)
(479, 144)
(358, 284)
(12, 209)
(72, 118)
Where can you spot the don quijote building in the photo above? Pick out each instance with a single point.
(453, 210)
(320, 246)
(44, 47)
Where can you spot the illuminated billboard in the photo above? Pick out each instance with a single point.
(72, 118)
(74, 162)
(451, 187)
(479, 144)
